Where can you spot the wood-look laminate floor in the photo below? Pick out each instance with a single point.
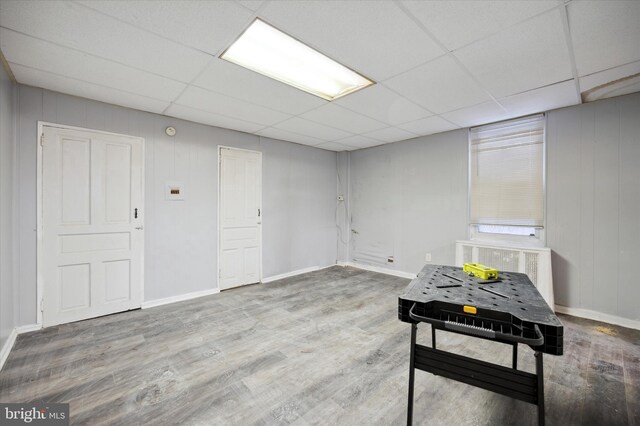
(320, 348)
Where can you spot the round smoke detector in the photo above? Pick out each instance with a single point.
(171, 131)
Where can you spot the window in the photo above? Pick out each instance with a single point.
(506, 181)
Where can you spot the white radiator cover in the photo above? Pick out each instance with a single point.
(535, 262)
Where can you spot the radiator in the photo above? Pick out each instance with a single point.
(535, 262)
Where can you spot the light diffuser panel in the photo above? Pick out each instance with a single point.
(269, 51)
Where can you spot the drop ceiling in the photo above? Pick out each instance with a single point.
(439, 65)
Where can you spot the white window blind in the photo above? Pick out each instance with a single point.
(507, 186)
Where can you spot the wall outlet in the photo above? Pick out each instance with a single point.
(427, 257)
(340, 197)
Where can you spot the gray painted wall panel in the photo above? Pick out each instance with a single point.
(7, 172)
(298, 207)
(606, 199)
(30, 102)
(276, 206)
(299, 189)
(374, 203)
(563, 232)
(629, 207)
(409, 199)
(343, 208)
(314, 206)
(595, 238)
(584, 124)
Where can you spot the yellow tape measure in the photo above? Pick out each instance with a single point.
(480, 271)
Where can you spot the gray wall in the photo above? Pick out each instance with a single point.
(406, 199)
(299, 189)
(7, 170)
(299, 193)
(343, 207)
(410, 198)
(593, 205)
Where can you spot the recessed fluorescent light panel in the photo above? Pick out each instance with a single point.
(269, 51)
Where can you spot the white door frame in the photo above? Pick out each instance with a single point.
(39, 207)
(220, 147)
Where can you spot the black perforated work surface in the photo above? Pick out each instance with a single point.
(512, 305)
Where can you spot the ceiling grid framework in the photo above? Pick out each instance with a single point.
(464, 69)
(572, 56)
(438, 65)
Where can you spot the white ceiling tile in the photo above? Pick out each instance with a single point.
(273, 133)
(390, 134)
(211, 119)
(524, 57)
(195, 97)
(603, 77)
(37, 78)
(251, 4)
(383, 104)
(342, 118)
(208, 26)
(334, 146)
(233, 80)
(605, 34)
(35, 53)
(543, 99)
(487, 112)
(375, 38)
(73, 25)
(359, 141)
(428, 126)
(309, 128)
(440, 86)
(458, 23)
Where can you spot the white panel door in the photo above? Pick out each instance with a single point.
(92, 224)
(240, 217)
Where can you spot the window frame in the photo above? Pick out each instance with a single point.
(540, 239)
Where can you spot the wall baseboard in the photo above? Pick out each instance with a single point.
(371, 268)
(28, 328)
(294, 273)
(179, 298)
(6, 348)
(599, 316)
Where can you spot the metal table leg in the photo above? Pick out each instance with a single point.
(433, 336)
(412, 372)
(540, 374)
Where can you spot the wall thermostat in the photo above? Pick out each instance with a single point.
(171, 131)
(174, 191)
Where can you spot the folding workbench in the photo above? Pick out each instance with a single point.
(507, 310)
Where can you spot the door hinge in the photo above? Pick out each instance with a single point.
(41, 139)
